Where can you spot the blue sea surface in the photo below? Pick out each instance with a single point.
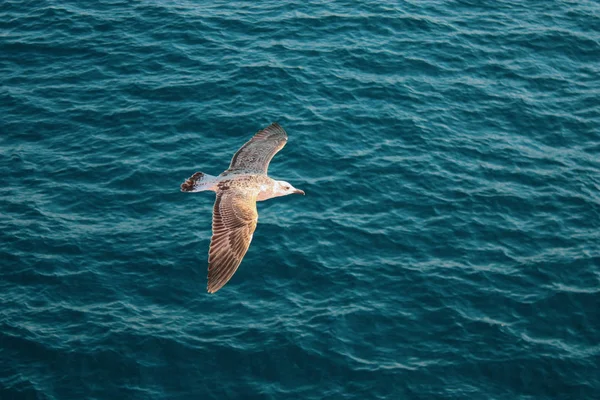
(448, 245)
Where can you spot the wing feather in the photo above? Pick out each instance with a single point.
(256, 154)
(234, 221)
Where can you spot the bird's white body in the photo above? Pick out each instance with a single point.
(267, 190)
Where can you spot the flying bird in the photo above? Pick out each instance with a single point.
(238, 189)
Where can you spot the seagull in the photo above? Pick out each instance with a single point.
(238, 189)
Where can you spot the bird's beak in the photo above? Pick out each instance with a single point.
(298, 191)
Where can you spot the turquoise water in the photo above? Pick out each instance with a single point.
(448, 245)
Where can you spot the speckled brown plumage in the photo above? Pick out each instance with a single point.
(256, 154)
(188, 185)
(238, 189)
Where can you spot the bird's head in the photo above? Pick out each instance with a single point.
(284, 188)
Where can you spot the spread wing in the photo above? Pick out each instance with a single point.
(234, 222)
(257, 153)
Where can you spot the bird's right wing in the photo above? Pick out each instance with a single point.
(234, 221)
(256, 154)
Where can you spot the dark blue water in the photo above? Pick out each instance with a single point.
(448, 245)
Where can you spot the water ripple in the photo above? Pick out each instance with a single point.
(447, 245)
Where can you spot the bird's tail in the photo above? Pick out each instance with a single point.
(198, 183)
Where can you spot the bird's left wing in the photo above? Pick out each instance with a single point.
(256, 154)
(234, 221)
